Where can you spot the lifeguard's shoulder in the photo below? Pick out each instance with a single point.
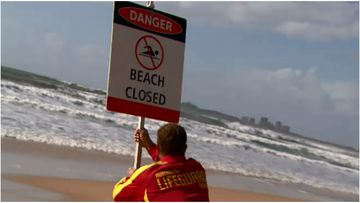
(195, 163)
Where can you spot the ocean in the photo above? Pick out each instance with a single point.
(46, 110)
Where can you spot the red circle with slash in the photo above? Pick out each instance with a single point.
(149, 52)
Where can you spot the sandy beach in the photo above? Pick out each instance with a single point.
(59, 173)
(90, 190)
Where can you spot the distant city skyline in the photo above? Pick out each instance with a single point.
(295, 62)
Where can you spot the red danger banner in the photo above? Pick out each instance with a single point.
(151, 21)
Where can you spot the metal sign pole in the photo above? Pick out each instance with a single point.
(138, 147)
(141, 122)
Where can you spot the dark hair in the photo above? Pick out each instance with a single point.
(171, 139)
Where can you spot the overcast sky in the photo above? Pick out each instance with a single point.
(297, 62)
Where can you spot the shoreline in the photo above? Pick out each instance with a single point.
(22, 163)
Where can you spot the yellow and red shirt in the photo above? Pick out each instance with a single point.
(172, 178)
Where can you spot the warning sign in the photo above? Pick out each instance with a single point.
(146, 64)
(149, 52)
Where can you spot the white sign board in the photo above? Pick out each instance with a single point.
(146, 65)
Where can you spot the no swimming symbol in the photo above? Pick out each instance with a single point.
(149, 52)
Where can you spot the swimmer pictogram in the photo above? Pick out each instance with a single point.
(149, 52)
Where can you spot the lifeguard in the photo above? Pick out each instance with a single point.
(171, 178)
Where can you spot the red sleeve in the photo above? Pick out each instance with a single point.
(132, 188)
(154, 152)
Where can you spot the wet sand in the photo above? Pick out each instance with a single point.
(63, 173)
(90, 190)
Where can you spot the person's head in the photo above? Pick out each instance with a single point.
(171, 139)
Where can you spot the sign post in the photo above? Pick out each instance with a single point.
(146, 64)
(138, 146)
